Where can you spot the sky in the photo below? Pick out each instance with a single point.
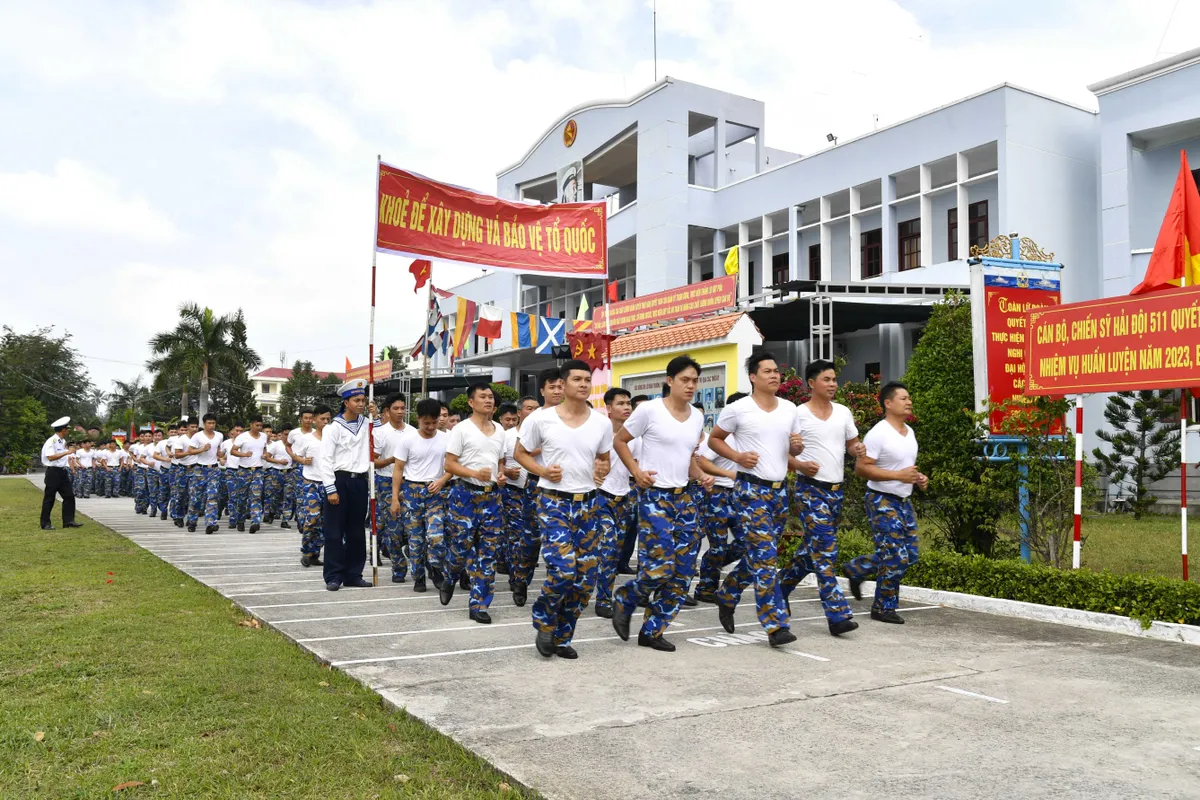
(223, 151)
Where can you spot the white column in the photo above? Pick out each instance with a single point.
(743, 278)
(719, 139)
(718, 257)
(855, 232)
(793, 242)
(926, 218)
(760, 152)
(826, 242)
(694, 266)
(964, 242)
(887, 223)
(768, 252)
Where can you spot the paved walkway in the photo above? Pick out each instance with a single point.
(953, 704)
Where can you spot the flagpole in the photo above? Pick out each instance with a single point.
(374, 541)
(1183, 425)
(425, 347)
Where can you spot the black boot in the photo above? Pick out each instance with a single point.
(887, 616)
(781, 637)
(855, 584)
(655, 643)
(845, 626)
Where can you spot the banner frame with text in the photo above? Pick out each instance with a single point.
(691, 300)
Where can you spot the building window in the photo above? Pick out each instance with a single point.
(779, 269)
(977, 223)
(872, 253)
(266, 388)
(814, 262)
(908, 235)
(872, 372)
(751, 277)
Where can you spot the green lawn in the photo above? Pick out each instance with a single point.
(116, 667)
(1147, 546)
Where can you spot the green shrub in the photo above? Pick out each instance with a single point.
(501, 391)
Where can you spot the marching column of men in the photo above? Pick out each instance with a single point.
(491, 494)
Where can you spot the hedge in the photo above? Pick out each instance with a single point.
(1141, 597)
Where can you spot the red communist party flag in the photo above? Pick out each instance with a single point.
(589, 347)
(420, 270)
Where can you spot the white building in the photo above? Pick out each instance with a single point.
(269, 383)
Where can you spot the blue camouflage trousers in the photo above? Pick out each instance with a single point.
(820, 511)
(423, 516)
(472, 512)
(274, 481)
(164, 489)
(762, 510)
(81, 481)
(179, 488)
(204, 493)
(291, 492)
(520, 528)
(668, 534)
(719, 517)
(570, 548)
(98, 480)
(613, 516)
(141, 492)
(153, 491)
(310, 517)
(252, 492)
(235, 496)
(388, 526)
(126, 482)
(894, 527)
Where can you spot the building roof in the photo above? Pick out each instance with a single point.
(1145, 73)
(285, 373)
(685, 333)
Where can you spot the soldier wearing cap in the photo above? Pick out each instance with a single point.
(344, 461)
(55, 457)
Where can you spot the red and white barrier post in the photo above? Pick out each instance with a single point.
(1076, 545)
(1183, 426)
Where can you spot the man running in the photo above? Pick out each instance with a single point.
(613, 506)
(387, 438)
(419, 481)
(203, 485)
(180, 497)
(890, 467)
(720, 518)
(306, 450)
(248, 449)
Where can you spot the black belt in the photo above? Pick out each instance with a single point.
(614, 497)
(474, 487)
(757, 481)
(515, 488)
(826, 485)
(576, 497)
(668, 490)
(418, 483)
(341, 473)
(897, 498)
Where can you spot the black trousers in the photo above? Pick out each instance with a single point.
(345, 530)
(58, 480)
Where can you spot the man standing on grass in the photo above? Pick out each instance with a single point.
(613, 506)
(670, 430)
(766, 431)
(890, 467)
(203, 480)
(575, 440)
(720, 517)
(309, 510)
(344, 462)
(475, 455)
(829, 433)
(55, 457)
(248, 449)
(419, 481)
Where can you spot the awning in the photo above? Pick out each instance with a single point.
(856, 307)
(523, 359)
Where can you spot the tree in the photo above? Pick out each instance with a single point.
(302, 390)
(1144, 442)
(502, 392)
(202, 345)
(960, 502)
(44, 365)
(23, 428)
(127, 401)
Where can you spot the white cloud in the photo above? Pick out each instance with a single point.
(78, 198)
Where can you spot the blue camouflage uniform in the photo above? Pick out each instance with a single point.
(520, 524)
(669, 541)
(153, 491)
(474, 510)
(719, 517)
(141, 490)
(204, 481)
(570, 548)
(252, 493)
(763, 509)
(819, 506)
(614, 515)
(309, 517)
(179, 488)
(388, 527)
(894, 528)
(422, 517)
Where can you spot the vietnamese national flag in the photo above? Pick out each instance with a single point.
(612, 292)
(1176, 257)
(420, 270)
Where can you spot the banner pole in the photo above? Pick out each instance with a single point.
(425, 347)
(373, 551)
(1076, 545)
(1183, 509)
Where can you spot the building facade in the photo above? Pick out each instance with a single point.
(268, 387)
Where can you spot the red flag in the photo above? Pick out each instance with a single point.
(589, 347)
(612, 292)
(490, 322)
(1176, 257)
(349, 367)
(420, 270)
(548, 314)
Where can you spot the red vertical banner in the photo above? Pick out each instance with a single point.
(1005, 325)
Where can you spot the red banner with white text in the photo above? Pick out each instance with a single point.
(1004, 311)
(422, 218)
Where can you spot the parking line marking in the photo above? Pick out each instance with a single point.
(806, 655)
(965, 693)
(475, 626)
(369, 616)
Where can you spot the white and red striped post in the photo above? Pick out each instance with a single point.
(1183, 425)
(1076, 545)
(373, 538)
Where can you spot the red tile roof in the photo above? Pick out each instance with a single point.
(285, 373)
(685, 333)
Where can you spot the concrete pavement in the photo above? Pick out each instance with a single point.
(952, 704)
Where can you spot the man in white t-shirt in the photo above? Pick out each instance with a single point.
(720, 517)
(229, 475)
(670, 430)
(204, 488)
(153, 472)
(248, 449)
(575, 440)
(275, 470)
(475, 455)
(293, 488)
(141, 489)
(419, 479)
(164, 456)
(112, 469)
(180, 497)
(890, 467)
(518, 509)
(306, 450)
(614, 506)
(81, 479)
(385, 440)
(767, 432)
(829, 434)
(507, 416)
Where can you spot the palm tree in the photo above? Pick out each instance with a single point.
(201, 345)
(126, 398)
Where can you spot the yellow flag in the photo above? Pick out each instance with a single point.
(731, 261)
(583, 309)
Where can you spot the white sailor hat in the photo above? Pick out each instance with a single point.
(61, 422)
(353, 388)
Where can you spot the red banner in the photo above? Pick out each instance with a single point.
(421, 218)
(383, 371)
(1146, 341)
(694, 300)
(1005, 309)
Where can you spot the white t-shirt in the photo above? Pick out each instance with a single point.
(510, 447)
(209, 457)
(667, 443)
(162, 448)
(183, 442)
(294, 436)
(308, 446)
(720, 462)
(277, 451)
(825, 441)
(424, 459)
(112, 458)
(252, 445)
(573, 449)
(387, 440)
(84, 457)
(231, 461)
(475, 449)
(891, 451)
(617, 481)
(762, 432)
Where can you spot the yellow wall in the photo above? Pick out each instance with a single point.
(726, 354)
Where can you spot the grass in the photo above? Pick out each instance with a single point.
(1146, 546)
(116, 667)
